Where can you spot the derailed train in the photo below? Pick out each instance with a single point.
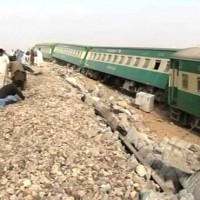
(172, 75)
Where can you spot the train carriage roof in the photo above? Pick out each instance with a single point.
(188, 54)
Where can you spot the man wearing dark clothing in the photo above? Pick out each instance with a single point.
(18, 74)
(32, 57)
(28, 69)
(10, 89)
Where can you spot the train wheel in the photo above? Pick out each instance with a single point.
(83, 71)
(159, 96)
(193, 122)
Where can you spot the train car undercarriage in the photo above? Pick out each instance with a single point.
(184, 118)
(128, 85)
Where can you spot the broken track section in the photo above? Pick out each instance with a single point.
(172, 163)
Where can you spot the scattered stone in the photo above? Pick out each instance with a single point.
(141, 171)
(133, 194)
(175, 157)
(90, 100)
(105, 187)
(26, 183)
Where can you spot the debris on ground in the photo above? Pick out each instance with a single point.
(54, 145)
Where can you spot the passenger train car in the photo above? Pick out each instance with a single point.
(72, 54)
(173, 75)
(137, 69)
(184, 86)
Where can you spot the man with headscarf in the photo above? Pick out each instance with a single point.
(4, 61)
(18, 74)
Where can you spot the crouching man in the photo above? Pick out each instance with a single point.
(18, 74)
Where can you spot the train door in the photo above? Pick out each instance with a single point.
(174, 80)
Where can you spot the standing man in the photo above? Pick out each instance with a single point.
(12, 52)
(4, 61)
(39, 58)
(32, 56)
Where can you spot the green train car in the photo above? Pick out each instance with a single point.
(184, 87)
(141, 69)
(171, 74)
(46, 49)
(72, 54)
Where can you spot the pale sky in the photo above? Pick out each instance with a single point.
(141, 23)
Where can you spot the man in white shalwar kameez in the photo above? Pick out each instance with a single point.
(39, 58)
(4, 61)
(12, 52)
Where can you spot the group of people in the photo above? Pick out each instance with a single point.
(13, 68)
(30, 57)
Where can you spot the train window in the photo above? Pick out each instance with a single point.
(198, 84)
(109, 58)
(95, 56)
(121, 60)
(146, 63)
(115, 59)
(91, 56)
(185, 81)
(129, 61)
(137, 61)
(157, 64)
(103, 57)
(99, 56)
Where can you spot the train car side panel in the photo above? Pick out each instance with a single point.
(147, 77)
(70, 53)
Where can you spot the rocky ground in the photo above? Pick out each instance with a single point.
(156, 124)
(54, 146)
